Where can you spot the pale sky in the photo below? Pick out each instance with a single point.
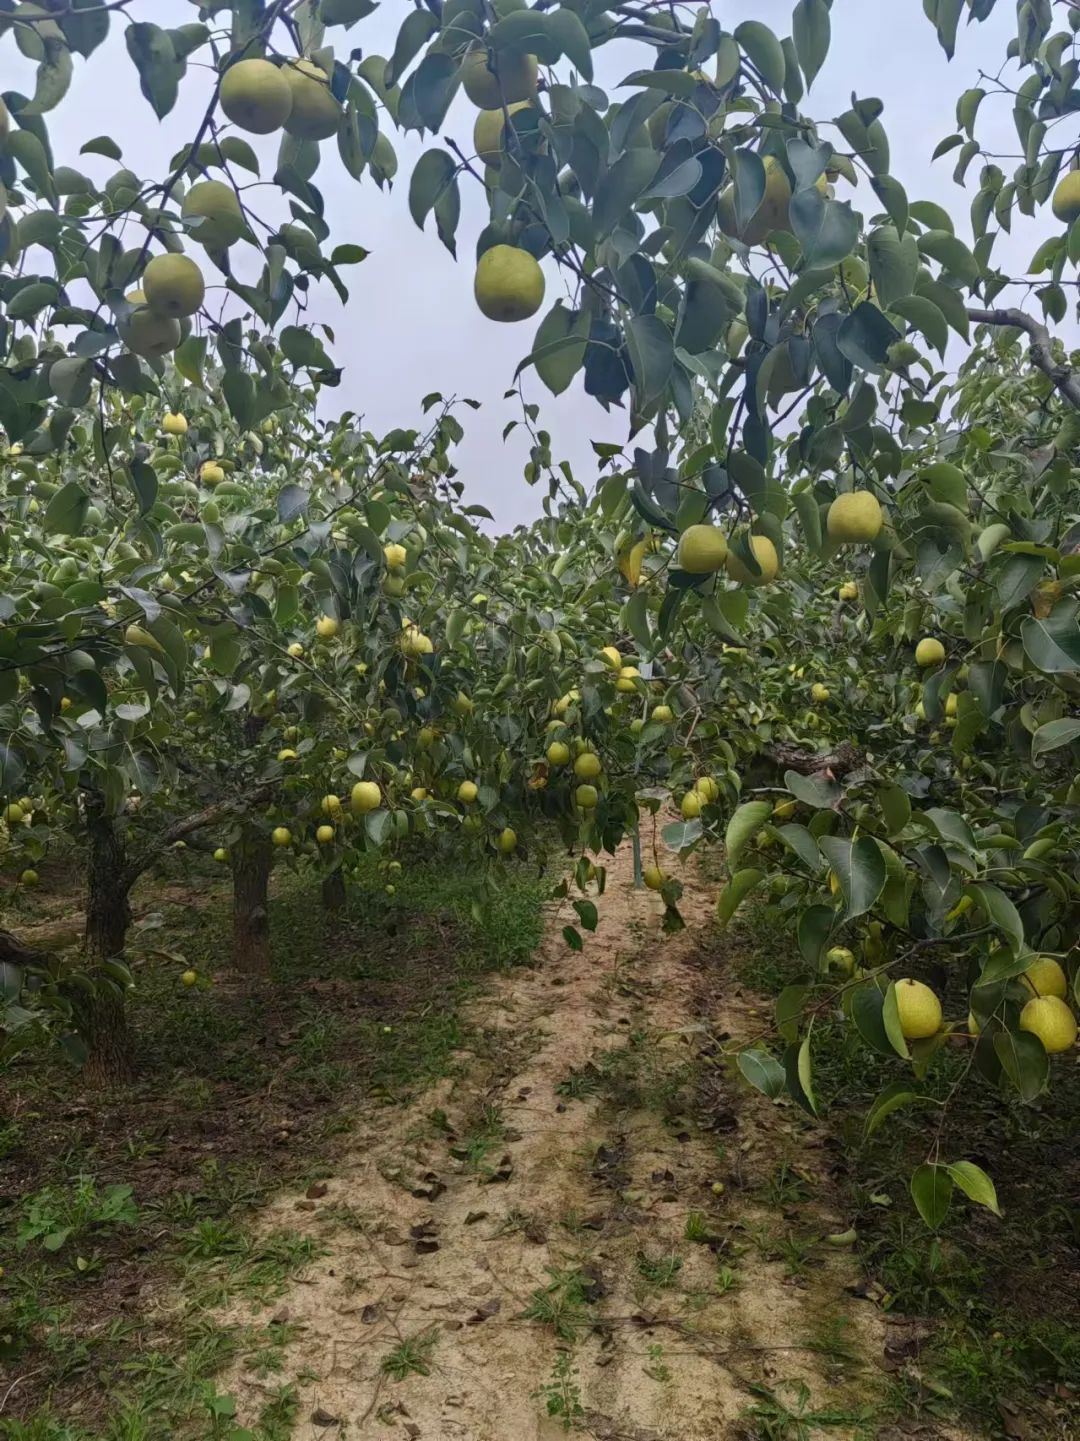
(412, 326)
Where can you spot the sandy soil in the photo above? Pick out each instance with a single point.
(552, 1182)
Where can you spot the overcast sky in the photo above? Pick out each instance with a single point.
(412, 326)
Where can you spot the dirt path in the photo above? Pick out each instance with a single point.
(544, 1232)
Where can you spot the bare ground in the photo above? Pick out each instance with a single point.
(551, 1225)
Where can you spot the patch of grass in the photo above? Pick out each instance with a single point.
(785, 1413)
(561, 1304)
(412, 1356)
(659, 1273)
(244, 1087)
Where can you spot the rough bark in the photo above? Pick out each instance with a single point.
(250, 856)
(333, 891)
(101, 1019)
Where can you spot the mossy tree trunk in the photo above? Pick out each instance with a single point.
(333, 890)
(102, 1018)
(251, 855)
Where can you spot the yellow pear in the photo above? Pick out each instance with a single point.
(929, 651)
(587, 767)
(215, 206)
(148, 334)
(256, 96)
(467, 792)
(364, 797)
(767, 559)
(703, 549)
(919, 1010)
(488, 132)
(1066, 202)
(496, 79)
(1049, 1018)
(772, 214)
(173, 286)
(509, 284)
(174, 424)
(315, 114)
(855, 517)
(1046, 978)
(653, 877)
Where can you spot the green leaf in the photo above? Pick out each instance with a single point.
(799, 840)
(810, 29)
(925, 316)
(427, 93)
(346, 12)
(652, 355)
(433, 187)
(1053, 644)
(890, 1019)
(975, 1184)
(736, 891)
(890, 1100)
(894, 198)
(826, 229)
(573, 939)
(587, 914)
(894, 264)
(102, 145)
(813, 791)
(747, 819)
(25, 147)
(620, 187)
(559, 347)
(789, 1009)
(999, 910)
(814, 929)
(189, 358)
(931, 1190)
(70, 380)
(946, 483)
(895, 806)
(860, 867)
(151, 48)
(66, 512)
(1023, 1060)
(952, 254)
(764, 51)
(417, 29)
(865, 336)
(867, 1011)
(763, 1071)
(1052, 735)
(799, 1077)
(144, 483)
(239, 390)
(53, 80)
(566, 29)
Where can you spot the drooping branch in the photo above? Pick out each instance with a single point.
(1064, 379)
(197, 821)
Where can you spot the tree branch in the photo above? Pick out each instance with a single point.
(1064, 380)
(198, 821)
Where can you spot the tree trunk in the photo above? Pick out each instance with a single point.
(251, 914)
(333, 890)
(101, 1019)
